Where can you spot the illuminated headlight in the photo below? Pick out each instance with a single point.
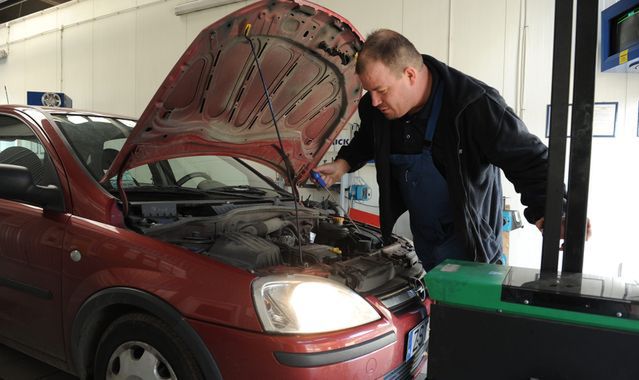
(301, 304)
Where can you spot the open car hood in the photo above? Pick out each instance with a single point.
(213, 101)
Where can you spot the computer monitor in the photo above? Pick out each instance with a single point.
(620, 37)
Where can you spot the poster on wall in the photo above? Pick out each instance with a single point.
(604, 119)
(342, 139)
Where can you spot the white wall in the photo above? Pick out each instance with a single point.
(107, 55)
(612, 194)
(110, 55)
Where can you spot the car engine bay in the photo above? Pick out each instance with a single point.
(269, 239)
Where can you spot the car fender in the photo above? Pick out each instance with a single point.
(95, 310)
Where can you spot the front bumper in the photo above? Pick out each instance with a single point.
(373, 351)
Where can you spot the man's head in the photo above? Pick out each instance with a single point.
(393, 72)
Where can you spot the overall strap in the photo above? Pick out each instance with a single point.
(434, 113)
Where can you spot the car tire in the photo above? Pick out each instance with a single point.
(142, 346)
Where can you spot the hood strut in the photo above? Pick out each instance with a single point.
(287, 163)
(120, 189)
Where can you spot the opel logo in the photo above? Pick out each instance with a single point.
(418, 287)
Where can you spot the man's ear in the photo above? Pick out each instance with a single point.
(411, 74)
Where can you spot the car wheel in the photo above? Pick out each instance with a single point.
(139, 346)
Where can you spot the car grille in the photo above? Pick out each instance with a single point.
(399, 299)
(407, 369)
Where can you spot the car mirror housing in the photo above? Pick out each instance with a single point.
(18, 185)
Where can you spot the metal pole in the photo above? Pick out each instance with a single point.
(581, 134)
(555, 191)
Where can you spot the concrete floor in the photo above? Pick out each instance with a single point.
(15, 365)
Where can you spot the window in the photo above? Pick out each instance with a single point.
(219, 171)
(19, 146)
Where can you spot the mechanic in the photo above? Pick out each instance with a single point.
(439, 138)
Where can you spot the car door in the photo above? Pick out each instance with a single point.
(30, 249)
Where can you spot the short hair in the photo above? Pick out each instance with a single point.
(391, 49)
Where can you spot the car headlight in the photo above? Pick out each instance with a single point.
(302, 304)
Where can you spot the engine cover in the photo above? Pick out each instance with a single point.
(363, 273)
(245, 251)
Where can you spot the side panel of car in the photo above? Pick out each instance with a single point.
(30, 246)
(111, 257)
(198, 286)
(30, 293)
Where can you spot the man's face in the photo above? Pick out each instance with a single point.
(390, 94)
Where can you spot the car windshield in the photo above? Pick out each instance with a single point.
(96, 140)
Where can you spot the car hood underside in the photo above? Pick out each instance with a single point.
(213, 100)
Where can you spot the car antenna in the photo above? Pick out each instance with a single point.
(280, 148)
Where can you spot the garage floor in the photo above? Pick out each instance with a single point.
(15, 365)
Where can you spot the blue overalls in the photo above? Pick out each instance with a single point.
(425, 193)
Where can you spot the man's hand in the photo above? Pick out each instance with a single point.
(333, 172)
(562, 232)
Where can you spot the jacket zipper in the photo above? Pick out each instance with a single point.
(462, 178)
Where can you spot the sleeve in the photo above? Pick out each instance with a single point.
(521, 155)
(360, 150)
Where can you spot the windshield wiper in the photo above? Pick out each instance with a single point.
(183, 190)
(161, 189)
(240, 189)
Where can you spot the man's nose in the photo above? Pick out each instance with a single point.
(376, 101)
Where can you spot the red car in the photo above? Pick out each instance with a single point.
(164, 248)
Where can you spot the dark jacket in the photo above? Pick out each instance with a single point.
(477, 133)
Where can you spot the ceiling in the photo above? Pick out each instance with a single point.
(13, 9)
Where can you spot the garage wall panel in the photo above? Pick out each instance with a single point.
(114, 64)
(426, 24)
(102, 8)
(538, 64)
(197, 21)
(43, 64)
(72, 14)
(4, 36)
(537, 45)
(512, 53)
(146, 2)
(477, 39)
(12, 75)
(369, 15)
(159, 42)
(34, 24)
(77, 65)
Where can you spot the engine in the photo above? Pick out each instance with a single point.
(270, 239)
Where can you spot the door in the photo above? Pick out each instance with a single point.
(30, 249)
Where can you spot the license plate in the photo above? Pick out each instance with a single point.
(416, 339)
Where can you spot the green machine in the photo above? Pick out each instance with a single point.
(494, 322)
(498, 322)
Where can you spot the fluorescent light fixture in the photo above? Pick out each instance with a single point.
(198, 5)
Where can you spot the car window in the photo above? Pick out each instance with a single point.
(139, 176)
(96, 141)
(218, 171)
(20, 146)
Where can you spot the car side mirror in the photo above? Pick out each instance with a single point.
(17, 184)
